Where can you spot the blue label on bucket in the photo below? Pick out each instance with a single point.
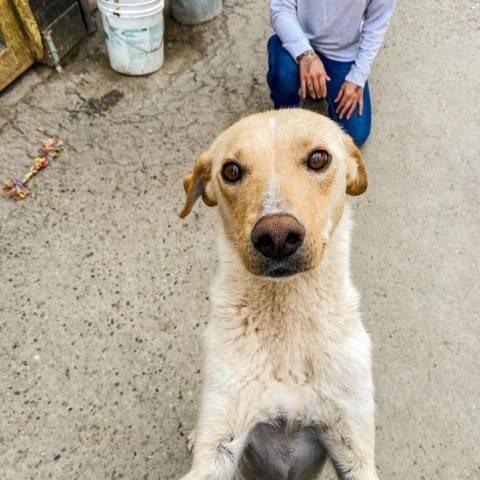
(155, 36)
(133, 32)
(113, 37)
(136, 43)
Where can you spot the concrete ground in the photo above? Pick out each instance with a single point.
(104, 290)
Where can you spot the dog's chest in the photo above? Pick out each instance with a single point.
(275, 336)
(291, 346)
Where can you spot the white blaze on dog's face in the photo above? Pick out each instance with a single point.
(279, 180)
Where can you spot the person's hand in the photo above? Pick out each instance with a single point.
(313, 77)
(349, 96)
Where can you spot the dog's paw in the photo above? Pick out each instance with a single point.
(191, 441)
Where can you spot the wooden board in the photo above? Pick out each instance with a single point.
(66, 29)
(47, 11)
(15, 56)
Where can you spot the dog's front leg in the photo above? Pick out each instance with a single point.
(226, 418)
(350, 442)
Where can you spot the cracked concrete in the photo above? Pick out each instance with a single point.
(104, 290)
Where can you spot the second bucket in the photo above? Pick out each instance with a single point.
(193, 12)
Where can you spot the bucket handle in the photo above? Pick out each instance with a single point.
(113, 30)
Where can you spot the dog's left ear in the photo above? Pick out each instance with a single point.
(357, 181)
(199, 184)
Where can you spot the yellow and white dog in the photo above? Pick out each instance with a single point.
(287, 360)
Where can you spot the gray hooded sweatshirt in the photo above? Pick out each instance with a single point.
(342, 30)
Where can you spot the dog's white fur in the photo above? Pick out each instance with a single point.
(291, 348)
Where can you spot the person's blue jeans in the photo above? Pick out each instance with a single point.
(283, 78)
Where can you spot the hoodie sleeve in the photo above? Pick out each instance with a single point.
(283, 14)
(375, 24)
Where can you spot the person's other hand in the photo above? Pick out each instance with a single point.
(313, 77)
(349, 96)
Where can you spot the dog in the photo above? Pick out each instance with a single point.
(287, 363)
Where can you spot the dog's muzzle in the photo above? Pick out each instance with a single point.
(277, 238)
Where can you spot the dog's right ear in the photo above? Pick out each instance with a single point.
(199, 184)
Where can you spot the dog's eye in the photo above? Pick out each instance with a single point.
(319, 160)
(231, 172)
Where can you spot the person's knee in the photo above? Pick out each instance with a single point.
(359, 132)
(283, 74)
(286, 80)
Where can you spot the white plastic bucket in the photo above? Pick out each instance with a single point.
(134, 34)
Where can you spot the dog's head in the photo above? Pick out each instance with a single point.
(280, 180)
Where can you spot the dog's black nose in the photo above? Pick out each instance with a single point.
(278, 236)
